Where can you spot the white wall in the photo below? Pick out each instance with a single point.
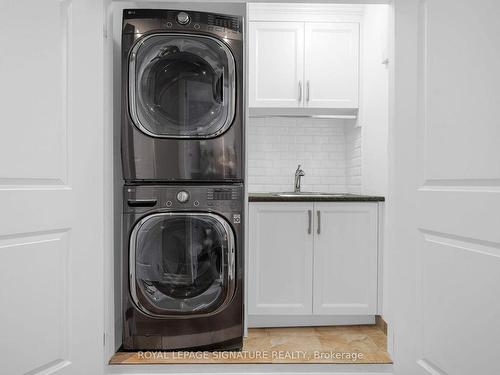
(374, 122)
(373, 116)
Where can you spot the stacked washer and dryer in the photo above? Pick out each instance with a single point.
(183, 165)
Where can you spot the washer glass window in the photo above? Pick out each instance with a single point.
(181, 263)
(181, 86)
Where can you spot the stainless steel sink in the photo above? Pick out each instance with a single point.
(308, 194)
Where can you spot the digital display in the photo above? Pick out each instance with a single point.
(222, 194)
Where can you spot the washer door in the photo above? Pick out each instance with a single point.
(181, 86)
(182, 263)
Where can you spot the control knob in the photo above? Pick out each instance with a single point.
(183, 18)
(182, 196)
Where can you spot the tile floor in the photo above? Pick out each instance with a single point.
(339, 344)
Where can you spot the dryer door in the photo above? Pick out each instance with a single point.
(181, 86)
(182, 263)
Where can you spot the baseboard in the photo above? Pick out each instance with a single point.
(253, 369)
(256, 321)
(381, 323)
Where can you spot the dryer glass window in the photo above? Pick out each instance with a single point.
(181, 86)
(182, 263)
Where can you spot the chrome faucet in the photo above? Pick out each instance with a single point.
(298, 174)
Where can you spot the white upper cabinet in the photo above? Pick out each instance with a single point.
(304, 58)
(276, 64)
(331, 64)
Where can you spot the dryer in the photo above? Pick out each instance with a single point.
(182, 96)
(182, 267)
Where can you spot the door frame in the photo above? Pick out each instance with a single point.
(113, 194)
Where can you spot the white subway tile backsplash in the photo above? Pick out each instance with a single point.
(310, 147)
(353, 159)
(297, 130)
(321, 156)
(304, 156)
(321, 146)
(279, 146)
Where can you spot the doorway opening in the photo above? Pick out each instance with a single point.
(361, 167)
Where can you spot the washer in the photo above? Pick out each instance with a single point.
(182, 96)
(183, 267)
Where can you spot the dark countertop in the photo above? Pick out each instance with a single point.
(274, 197)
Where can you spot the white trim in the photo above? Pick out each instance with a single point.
(246, 99)
(380, 259)
(255, 321)
(253, 369)
(305, 12)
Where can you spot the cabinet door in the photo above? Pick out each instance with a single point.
(331, 64)
(345, 258)
(276, 64)
(280, 258)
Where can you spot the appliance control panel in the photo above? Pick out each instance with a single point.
(142, 198)
(222, 194)
(199, 20)
(144, 20)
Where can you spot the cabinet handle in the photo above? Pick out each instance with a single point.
(319, 221)
(307, 90)
(309, 213)
(300, 91)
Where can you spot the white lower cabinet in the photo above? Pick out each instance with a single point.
(311, 260)
(345, 258)
(280, 259)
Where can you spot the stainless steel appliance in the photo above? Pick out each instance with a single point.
(182, 96)
(182, 267)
